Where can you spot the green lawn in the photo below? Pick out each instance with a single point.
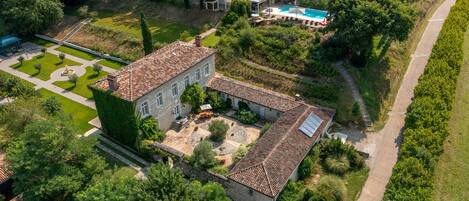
(49, 62)
(121, 153)
(80, 114)
(42, 42)
(452, 173)
(82, 84)
(5, 74)
(162, 31)
(75, 52)
(111, 64)
(211, 40)
(354, 182)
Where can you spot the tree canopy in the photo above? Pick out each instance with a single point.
(50, 162)
(356, 22)
(28, 17)
(146, 35)
(194, 95)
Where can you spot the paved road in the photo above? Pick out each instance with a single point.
(387, 140)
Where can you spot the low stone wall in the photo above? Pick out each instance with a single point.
(71, 45)
(200, 175)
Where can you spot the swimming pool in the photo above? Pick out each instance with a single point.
(318, 15)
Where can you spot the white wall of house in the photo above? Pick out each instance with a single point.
(264, 112)
(167, 110)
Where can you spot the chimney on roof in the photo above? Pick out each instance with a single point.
(112, 81)
(198, 41)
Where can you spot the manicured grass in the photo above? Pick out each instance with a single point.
(211, 40)
(354, 182)
(49, 62)
(80, 114)
(5, 74)
(111, 64)
(129, 23)
(42, 42)
(81, 87)
(75, 52)
(452, 172)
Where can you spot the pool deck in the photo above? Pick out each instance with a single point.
(275, 10)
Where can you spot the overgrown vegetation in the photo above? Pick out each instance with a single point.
(317, 183)
(203, 156)
(427, 116)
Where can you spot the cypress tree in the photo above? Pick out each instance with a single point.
(146, 35)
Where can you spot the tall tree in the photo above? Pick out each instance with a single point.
(50, 162)
(111, 186)
(27, 17)
(164, 183)
(146, 35)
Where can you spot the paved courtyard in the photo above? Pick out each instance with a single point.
(187, 138)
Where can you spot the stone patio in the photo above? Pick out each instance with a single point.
(187, 138)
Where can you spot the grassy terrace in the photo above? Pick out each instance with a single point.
(211, 40)
(75, 52)
(451, 181)
(121, 153)
(81, 87)
(80, 114)
(49, 62)
(111, 64)
(129, 23)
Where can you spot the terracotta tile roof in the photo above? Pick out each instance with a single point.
(153, 70)
(272, 160)
(5, 174)
(252, 93)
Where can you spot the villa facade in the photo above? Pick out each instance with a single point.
(155, 83)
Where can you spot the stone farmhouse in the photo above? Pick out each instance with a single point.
(155, 83)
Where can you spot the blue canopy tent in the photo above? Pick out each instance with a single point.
(9, 41)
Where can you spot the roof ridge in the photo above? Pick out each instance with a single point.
(268, 178)
(289, 130)
(260, 89)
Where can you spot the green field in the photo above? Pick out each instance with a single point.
(75, 52)
(49, 62)
(211, 40)
(111, 64)
(162, 31)
(81, 87)
(452, 173)
(80, 114)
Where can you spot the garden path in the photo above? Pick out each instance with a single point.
(355, 94)
(385, 143)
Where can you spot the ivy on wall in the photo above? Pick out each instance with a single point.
(118, 118)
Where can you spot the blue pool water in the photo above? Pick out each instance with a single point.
(309, 12)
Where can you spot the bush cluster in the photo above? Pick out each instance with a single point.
(429, 112)
(218, 129)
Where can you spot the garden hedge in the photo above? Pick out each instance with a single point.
(427, 116)
(118, 118)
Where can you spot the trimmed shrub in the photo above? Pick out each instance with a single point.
(243, 106)
(428, 115)
(337, 165)
(218, 129)
(246, 117)
(51, 105)
(306, 168)
(214, 100)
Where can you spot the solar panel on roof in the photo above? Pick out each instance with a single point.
(310, 125)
